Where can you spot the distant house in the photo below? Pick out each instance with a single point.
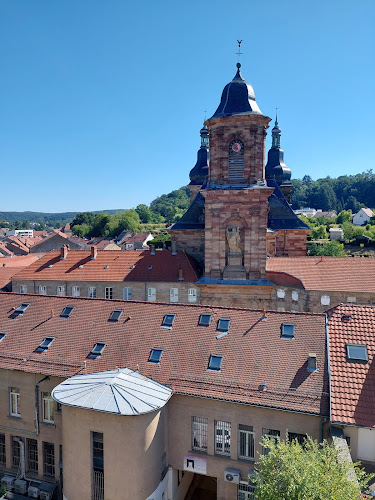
(21, 232)
(54, 242)
(336, 233)
(331, 214)
(134, 241)
(362, 217)
(306, 211)
(103, 244)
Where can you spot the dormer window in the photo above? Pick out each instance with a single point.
(44, 346)
(223, 325)
(357, 353)
(155, 356)
(97, 350)
(168, 321)
(2, 335)
(214, 362)
(66, 312)
(204, 320)
(21, 309)
(115, 315)
(287, 331)
(312, 364)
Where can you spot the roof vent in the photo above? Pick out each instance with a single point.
(174, 248)
(264, 316)
(262, 386)
(150, 267)
(80, 266)
(132, 266)
(51, 265)
(106, 266)
(152, 249)
(346, 318)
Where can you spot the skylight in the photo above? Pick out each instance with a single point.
(97, 350)
(168, 320)
(21, 309)
(155, 355)
(356, 352)
(287, 331)
(115, 315)
(45, 344)
(223, 325)
(66, 312)
(214, 362)
(2, 335)
(204, 320)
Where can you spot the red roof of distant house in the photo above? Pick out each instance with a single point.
(352, 383)
(136, 237)
(252, 352)
(327, 273)
(116, 265)
(9, 266)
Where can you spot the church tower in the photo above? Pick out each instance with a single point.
(199, 173)
(236, 195)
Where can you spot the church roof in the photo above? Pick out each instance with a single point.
(281, 215)
(238, 98)
(193, 218)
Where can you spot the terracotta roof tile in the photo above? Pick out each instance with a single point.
(253, 351)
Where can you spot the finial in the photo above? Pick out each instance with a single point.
(276, 123)
(239, 53)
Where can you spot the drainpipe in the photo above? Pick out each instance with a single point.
(322, 422)
(37, 403)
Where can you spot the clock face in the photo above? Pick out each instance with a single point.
(236, 147)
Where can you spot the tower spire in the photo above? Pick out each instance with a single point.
(239, 53)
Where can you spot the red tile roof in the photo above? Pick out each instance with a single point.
(253, 351)
(346, 274)
(352, 383)
(164, 266)
(9, 266)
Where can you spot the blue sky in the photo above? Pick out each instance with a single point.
(102, 100)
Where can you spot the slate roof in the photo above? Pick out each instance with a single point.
(335, 274)
(193, 218)
(253, 351)
(352, 383)
(164, 266)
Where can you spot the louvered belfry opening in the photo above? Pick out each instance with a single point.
(236, 162)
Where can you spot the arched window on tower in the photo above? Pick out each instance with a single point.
(236, 162)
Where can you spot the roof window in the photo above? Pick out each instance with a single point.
(66, 312)
(223, 325)
(150, 266)
(155, 356)
(214, 362)
(44, 346)
(2, 335)
(357, 352)
(21, 309)
(168, 321)
(287, 331)
(97, 350)
(204, 320)
(312, 364)
(115, 315)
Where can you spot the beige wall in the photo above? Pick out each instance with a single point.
(133, 449)
(183, 408)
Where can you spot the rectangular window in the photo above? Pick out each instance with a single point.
(246, 438)
(14, 402)
(199, 427)
(192, 295)
(299, 437)
(173, 295)
(42, 290)
(48, 408)
(76, 291)
(351, 300)
(325, 300)
(60, 290)
(151, 294)
(92, 292)
(204, 320)
(32, 455)
(49, 459)
(97, 466)
(3, 456)
(222, 437)
(127, 293)
(246, 490)
(23, 289)
(108, 292)
(271, 434)
(16, 451)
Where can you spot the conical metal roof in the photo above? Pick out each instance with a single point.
(122, 392)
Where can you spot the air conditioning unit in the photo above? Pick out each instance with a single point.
(46, 490)
(20, 486)
(33, 490)
(232, 476)
(8, 482)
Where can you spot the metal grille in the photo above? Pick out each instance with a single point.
(222, 437)
(246, 438)
(49, 459)
(97, 485)
(236, 164)
(3, 457)
(199, 433)
(16, 452)
(245, 491)
(32, 455)
(271, 434)
(299, 437)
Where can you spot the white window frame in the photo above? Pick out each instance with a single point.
(199, 430)
(295, 296)
(76, 291)
(249, 442)
(192, 295)
(23, 288)
(108, 292)
(60, 290)
(42, 290)
(127, 293)
(92, 292)
(246, 490)
(325, 300)
(48, 408)
(274, 436)
(151, 294)
(173, 295)
(14, 402)
(351, 300)
(222, 437)
(280, 293)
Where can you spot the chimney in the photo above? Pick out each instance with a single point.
(263, 314)
(152, 249)
(180, 274)
(174, 247)
(94, 253)
(64, 252)
(262, 386)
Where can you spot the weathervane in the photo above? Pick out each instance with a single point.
(239, 53)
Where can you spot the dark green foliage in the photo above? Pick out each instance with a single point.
(171, 205)
(331, 248)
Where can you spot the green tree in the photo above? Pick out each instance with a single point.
(290, 471)
(81, 230)
(344, 216)
(145, 214)
(330, 249)
(83, 218)
(319, 233)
